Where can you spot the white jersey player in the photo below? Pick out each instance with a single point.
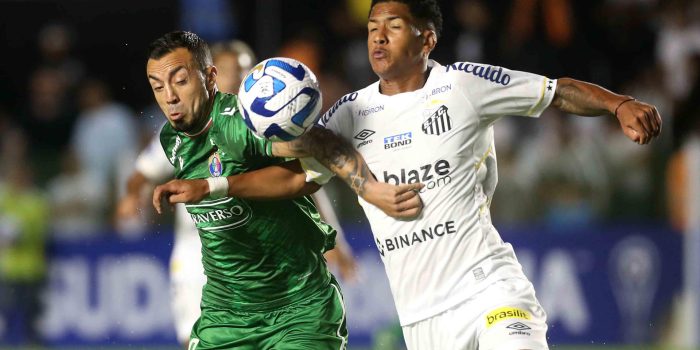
(456, 284)
(186, 271)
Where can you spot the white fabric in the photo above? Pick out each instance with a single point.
(440, 135)
(218, 187)
(504, 316)
(186, 282)
(315, 171)
(186, 271)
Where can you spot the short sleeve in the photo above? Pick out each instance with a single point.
(495, 91)
(153, 163)
(339, 117)
(315, 171)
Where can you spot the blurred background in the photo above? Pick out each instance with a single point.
(607, 230)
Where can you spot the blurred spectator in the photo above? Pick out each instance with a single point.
(105, 139)
(537, 35)
(686, 133)
(47, 119)
(679, 40)
(232, 58)
(566, 169)
(474, 17)
(23, 226)
(78, 201)
(214, 20)
(55, 44)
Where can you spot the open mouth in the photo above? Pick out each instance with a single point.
(379, 54)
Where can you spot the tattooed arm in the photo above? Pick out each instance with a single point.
(288, 180)
(338, 155)
(639, 121)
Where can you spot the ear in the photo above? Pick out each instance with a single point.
(211, 73)
(429, 41)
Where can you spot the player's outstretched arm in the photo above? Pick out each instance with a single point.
(639, 121)
(128, 205)
(338, 155)
(285, 180)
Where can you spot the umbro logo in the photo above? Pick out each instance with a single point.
(364, 134)
(518, 326)
(229, 111)
(438, 123)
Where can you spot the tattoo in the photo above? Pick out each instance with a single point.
(336, 154)
(357, 183)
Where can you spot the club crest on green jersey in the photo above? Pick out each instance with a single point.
(215, 166)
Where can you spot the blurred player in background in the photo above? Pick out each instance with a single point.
(267, 283)
(456, 284)
(233, 59)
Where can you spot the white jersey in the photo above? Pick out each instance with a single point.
(155, 166)
(186, 270)
(440, 135)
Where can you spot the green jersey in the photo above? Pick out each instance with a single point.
(257, 255)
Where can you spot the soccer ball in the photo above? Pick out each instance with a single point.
(280, 99)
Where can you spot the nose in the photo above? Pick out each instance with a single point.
(379, 36)
(170, 96)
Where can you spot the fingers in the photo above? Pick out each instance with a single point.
(641, 122)
(165, 190)
(410, 208)
(657, 118)
(416, 187)
(178, 198)
(408, 191)
(158, 193)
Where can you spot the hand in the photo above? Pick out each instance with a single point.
(640, 121)
(400, 202)
(180, 191)
(343, 260)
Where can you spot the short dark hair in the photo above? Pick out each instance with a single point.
(181, 39)
(426, 11)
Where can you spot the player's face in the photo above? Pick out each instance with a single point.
(229, 76)
(181, 89)
(394, 42)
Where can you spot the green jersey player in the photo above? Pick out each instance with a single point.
(267, 283)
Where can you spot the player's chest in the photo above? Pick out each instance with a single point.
(205, 156)
(422, 127)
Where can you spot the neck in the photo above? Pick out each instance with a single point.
(406, 83)
(204, 121)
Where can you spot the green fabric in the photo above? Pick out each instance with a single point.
(315, 323)
(26, 214)
(257, 255)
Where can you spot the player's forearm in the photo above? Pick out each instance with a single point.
(586, 99)
(338, 155)
(136, 183)
(275, 182)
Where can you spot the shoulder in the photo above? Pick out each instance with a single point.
(348, 103)
(225, 105)
(477, 73)
(169, 137)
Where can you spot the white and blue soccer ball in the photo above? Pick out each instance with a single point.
(280, 99)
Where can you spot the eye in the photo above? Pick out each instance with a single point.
(158, 89)
(181, 82)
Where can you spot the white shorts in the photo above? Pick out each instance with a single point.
(186, 282)
(504, 316)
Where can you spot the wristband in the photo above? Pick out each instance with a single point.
(218, 187)
(623, 102)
